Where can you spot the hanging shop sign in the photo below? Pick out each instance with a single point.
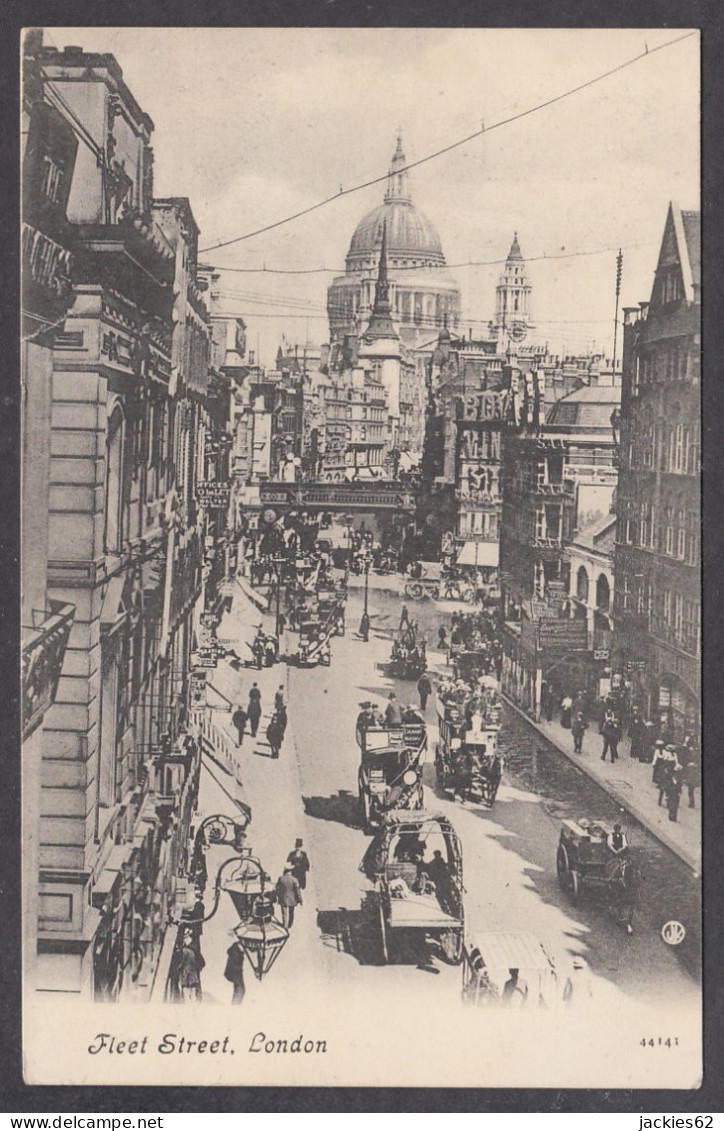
(602, 654)
(197, 690)
(213, 492)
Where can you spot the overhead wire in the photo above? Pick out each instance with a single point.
(453, 145)
(545, 256)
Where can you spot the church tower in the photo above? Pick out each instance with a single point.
(381, 347)
(381, 324)
(512, 297)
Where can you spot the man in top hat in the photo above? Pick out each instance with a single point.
(299, 862)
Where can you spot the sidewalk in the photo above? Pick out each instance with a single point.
(628, 781)
(272, 789)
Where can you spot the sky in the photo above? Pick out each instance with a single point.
(255, 124)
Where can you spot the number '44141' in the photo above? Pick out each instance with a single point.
(655, 1042)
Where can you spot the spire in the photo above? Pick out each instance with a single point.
(381, 324)
(397, 176)
(515, 252)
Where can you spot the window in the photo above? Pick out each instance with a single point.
(52, 179)
(666, 606)
(645, 524)
(693, 452)
(669, 540)
(114, 483)
(678, 615)
(681, 544)
(582, 584)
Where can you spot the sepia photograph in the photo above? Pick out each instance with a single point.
(361, 556)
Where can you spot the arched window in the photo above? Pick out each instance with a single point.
(582, 584)
(114, 481)
(603, 592)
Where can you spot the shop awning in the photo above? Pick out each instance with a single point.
(487, 554)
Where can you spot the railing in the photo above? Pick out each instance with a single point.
(42, 662)
(47, 263)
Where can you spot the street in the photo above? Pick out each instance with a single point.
(508, 852)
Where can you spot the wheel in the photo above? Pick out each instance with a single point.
(563, 868)
(414, 590)
(365, 802)
(576, 888)
(383, 933)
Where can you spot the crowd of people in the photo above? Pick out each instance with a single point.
(676, 763)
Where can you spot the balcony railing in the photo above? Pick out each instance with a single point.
(46, 262)
(43, 649)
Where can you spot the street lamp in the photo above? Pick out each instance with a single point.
(259, 934)
(364, 626)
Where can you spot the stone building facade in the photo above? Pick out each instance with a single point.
(125, 545)
(658, 542)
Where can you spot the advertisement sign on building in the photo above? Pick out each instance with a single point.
(213, 492)
(197, 690)
(563, 635)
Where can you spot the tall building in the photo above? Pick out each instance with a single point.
(657, 559)
(421, 291)
(125, 539)
(48, 155)
(558, 476)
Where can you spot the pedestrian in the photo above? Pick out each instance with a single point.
(239, 720)
(515, 990)
(234, 972)
(299, 862)
(579, 728)
(657, 762)
(424, 690)
(550, 703)
(673, 793)
(404, 618)
(566, 711)
(289, 895)
(442, 638)
(279, 698)
(253, 709)
(637, 733)
(690, 777)
(281, 717)
(189, 969)
(611, 737)
(364, 627)
(393, 712)
(667, 768)
(274, 736)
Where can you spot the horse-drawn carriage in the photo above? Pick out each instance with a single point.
(390, 771)
(314, 647)
(408, 659)
(594, 859)
(510, 968)
(433, 580)
(416, 864)
(467, 762)
(330, 608)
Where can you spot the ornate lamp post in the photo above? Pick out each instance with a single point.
(259, 934)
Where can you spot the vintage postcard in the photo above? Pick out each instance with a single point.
(361, 557)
